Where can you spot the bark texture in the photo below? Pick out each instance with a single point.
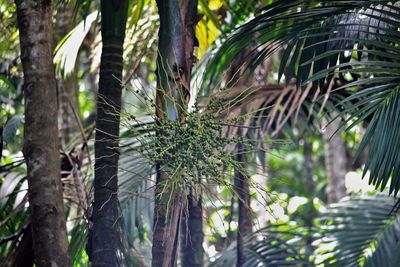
(192, 236)
(174, 66)
(67, 87)
(242, 189)
(106, 248)
(335, 161)
(41, 134)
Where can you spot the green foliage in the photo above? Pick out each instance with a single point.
(383, 136)
(11, 128)
(355, 41)
(265, 247)
(67, 49)
(359, 231)
(13, 210)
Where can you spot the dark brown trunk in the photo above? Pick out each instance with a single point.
(174, 66)
(41, 134)
(106, 248)
(67, 86)
(192, 235)
(335, 161)
(242, 190)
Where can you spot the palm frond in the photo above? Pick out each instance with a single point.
(359, 231)
(263, 248)
(67, 50)
(15, 235)
(308, 29)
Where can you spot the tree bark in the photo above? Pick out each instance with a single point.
(106, 235)
(242, 189)
(192, 236)
(335, 161)
(67, 87)
(41, 134)
(174, 66)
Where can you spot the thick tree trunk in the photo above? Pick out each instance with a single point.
(106, 236)
(41, 134)
(192, 235)
(335, 161)
(174, 66)
(68, 86)
(242, 189)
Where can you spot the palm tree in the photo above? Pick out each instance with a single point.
(174, 67)
(41, 134)
(105, 245)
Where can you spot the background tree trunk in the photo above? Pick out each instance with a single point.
(335, 160)
(41, 134)
(238, 76)
(308, 166)
(106, 236)
(174, 67)
(245, 222)
(67, 87)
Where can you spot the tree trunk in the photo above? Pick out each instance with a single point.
(242, 189)
(239, 76)
(106, 235)
(335, 161)
(41, 134)
(174, 66)
(310, 184)
(68, 86)
(192, 235)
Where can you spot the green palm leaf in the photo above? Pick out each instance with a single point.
(359, 231)
(265, 247)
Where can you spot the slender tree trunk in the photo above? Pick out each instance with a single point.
(242, 189)
(68, 86)
(310, 184)
(238, 76)
(174, 66)
(192, 235)
(41, 134)
(106, 235)
(335, 161)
